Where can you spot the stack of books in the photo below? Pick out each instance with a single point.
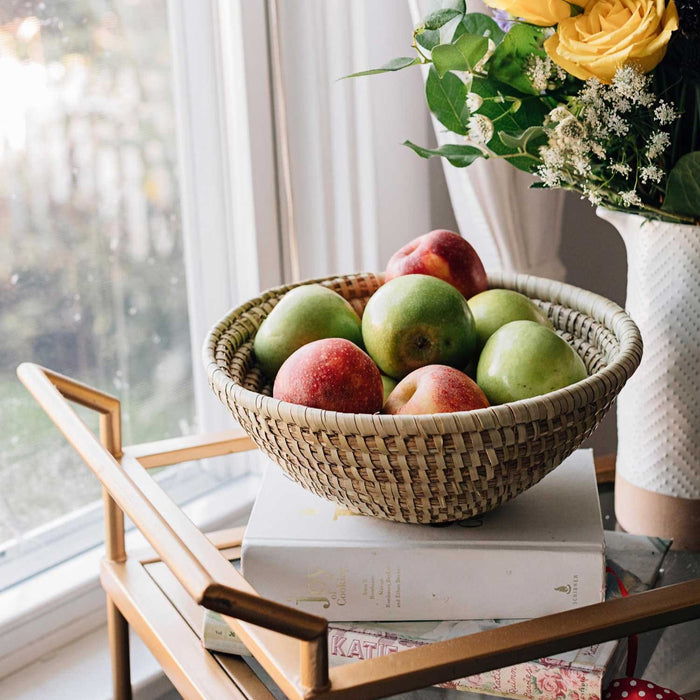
(388, 586)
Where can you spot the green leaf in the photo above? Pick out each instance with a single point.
(459, 156)
(510, 110)
(509, 60)
(483, 25)
(447, 99)
(520, 141)
(462, 55)
(428, 39)
(683, 187)
(439, 18)
(393, 65)
(575, 9)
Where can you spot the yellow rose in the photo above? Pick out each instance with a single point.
(544, 13)
(612, 33)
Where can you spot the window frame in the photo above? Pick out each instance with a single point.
(232, 249)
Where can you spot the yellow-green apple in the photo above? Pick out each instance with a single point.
(496, 307)
(417, 320)
(389, 385)
(304, 314)
(443, 254)
(435, 389)
(333, 374)
(524, 359)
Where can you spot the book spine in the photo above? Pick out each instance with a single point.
(364, 584)
(218, 636)
(534, 680)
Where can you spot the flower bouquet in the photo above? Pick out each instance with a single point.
(598, 96)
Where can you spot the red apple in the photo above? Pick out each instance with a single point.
(444, 254)
(435, 389)
(333, 374)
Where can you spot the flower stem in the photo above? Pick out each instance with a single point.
(677, 129)
(675, 218)
(424, 58)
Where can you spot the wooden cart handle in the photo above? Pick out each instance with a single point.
(199, 566)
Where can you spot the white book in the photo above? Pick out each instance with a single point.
(540, 553)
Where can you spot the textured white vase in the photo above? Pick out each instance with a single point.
(657, 489)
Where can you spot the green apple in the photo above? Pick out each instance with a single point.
(388, 384)
(304, 314)
(417, 320)
(524, 359)
(496, 307)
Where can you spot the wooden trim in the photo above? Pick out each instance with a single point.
(191, 669)
(513, 644)
(118, 633)
(226, 590)
(605, 468)
(193, 615)
(183, 449)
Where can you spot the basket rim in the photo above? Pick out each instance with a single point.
(605, 381)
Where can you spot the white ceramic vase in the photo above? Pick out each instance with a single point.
(657, 486)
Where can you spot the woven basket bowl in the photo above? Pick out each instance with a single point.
(428, 468)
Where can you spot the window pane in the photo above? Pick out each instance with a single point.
(92, 279)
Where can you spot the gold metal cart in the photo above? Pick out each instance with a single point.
(159, 593)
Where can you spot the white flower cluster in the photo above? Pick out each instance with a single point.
(665, 113)
(480, 129)
(567, 153)
(651, 173)
(607, 141)
(474, 101)
(630, 198)
(543, 73)
(629, 86)
(657, 143)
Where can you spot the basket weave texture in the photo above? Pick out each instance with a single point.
(428, 468)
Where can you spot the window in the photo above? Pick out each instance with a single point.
(94, 267)
(138, 171)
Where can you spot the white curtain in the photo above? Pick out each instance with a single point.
(511, 226)
(358, 194)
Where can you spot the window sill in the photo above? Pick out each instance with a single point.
(81, 669)
(43, 615)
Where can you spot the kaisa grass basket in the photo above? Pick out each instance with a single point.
(428, 468)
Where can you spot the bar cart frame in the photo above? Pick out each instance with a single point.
(290, 645)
